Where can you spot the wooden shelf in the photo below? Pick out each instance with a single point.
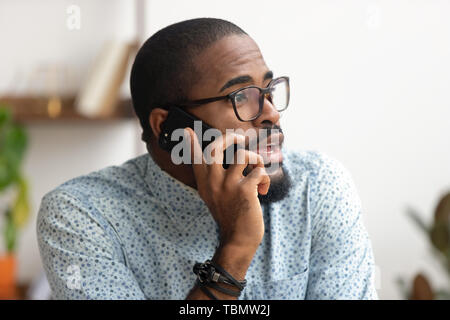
(36, 109)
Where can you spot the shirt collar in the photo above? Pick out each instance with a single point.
(179, 201)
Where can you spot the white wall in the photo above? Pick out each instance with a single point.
(33, 34)
(369, 81)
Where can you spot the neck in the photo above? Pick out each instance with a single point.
(182, 172)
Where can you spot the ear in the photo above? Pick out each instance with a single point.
(156, 118)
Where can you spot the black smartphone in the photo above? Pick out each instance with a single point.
(177, 118)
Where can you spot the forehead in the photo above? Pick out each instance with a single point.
(227, 58)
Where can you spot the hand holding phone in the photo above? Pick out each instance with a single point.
(231, 197)
(177, 118)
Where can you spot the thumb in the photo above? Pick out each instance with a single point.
(258, 179)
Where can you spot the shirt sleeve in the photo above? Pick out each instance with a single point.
(341, 258)
(81, 255)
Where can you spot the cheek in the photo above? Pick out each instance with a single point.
(221, 117)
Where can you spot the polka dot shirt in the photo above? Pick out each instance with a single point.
(134, 232)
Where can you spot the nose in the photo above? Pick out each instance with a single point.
(269, 114)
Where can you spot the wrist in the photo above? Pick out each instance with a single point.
(241, 242)
(234, 259)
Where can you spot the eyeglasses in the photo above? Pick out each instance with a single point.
(248, 102)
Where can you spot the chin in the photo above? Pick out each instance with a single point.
(280, 184)
(274, 170)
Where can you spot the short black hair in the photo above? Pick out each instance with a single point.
(164, 69)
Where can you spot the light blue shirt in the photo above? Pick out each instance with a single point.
(134, 232)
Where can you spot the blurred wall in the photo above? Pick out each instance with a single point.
(34, 34)
(370, 86)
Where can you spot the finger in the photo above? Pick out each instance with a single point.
(197, 160)
(215, 150)
(258, 179)
(242, 159)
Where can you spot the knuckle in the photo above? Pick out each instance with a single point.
(261, 171)
(214, 189)
(257, 158)
(241, 156)
(260, 158)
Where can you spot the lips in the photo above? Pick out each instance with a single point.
(270, 149)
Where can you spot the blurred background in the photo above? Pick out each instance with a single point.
(370, 86)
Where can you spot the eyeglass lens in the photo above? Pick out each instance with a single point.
(247, 100)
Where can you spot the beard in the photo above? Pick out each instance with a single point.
(280, 185)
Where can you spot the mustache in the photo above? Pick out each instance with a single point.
(274, 127)
(259, 139)
(269, 132)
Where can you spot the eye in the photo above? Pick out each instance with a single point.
(241, 98)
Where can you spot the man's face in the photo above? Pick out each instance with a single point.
(232, 63)
(229, 64)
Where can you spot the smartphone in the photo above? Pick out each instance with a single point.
(177, 118)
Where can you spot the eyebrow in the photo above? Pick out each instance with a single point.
(244, 79)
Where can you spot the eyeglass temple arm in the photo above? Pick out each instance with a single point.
(201, 101)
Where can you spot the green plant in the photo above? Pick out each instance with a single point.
(13, 143)
(438, 233)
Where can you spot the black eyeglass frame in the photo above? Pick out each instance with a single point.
(263, 92)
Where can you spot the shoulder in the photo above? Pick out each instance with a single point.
(83, 196)
(326, 177)
(109, 181)
(317, 165)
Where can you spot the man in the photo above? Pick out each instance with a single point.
(136, 231)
